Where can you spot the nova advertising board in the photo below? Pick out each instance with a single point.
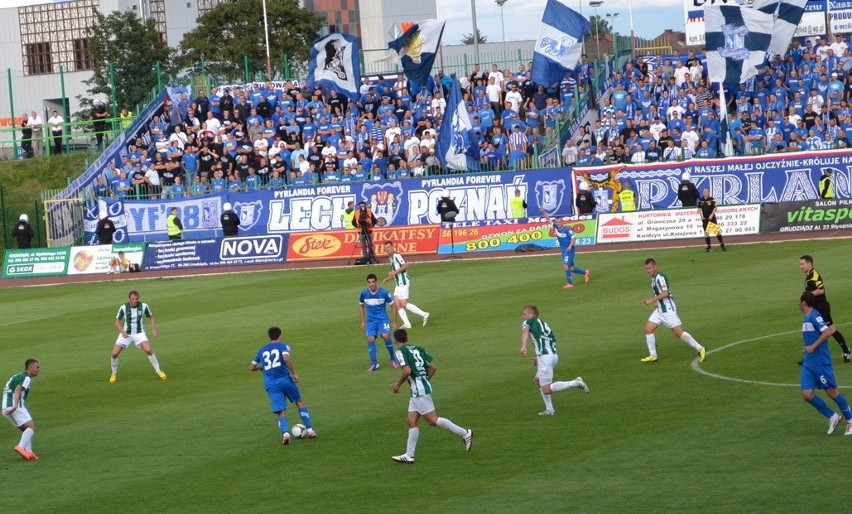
(36, 262)
(476, 237)
(788, 177)
(636, 226)
(807, 216)
(345, 244)
(203, 253)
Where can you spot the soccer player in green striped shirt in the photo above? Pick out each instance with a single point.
(544, 342)
(131, 329)
(399, 273)
(417, 370)
(15, 409)
(665, 313)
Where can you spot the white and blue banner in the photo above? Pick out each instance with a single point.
(732, 181)
(456, 148)
(737, 39)
(559, 45)
(335, 63)
(480, 197)
(786, 15)
(417, 48)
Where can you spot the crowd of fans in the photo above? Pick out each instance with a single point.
(273, 136)
(666, 111)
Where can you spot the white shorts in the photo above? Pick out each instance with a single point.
(421, 404)
(401, 291)
(666, 319)
(19, 417)
(546, 363)
(136, 339)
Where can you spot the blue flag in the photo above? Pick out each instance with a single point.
(786, 15)
(737, 39)
(456, 148)
(559, 46)
(417, 47)
(335, 63)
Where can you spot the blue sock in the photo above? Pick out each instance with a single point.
(283, 425)
(820, 405)
(841, 402)
(391, 351)
(371, 350)
(306, 416)
(578, 270)
(569, 276)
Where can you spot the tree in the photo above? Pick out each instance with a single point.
(599, 26)
(133, 48)
(467, 39)
(233, 30)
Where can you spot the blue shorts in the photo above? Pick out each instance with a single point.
(375, 328)
(568, 258)
(281, 391)
(820, 377)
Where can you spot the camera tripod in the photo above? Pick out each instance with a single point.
(365, 243)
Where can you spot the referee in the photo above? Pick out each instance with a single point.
(707, 207)
(814, 284)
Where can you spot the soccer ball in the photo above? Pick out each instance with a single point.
(299, 431)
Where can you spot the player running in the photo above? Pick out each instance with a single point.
(399, 273)
(568, 244)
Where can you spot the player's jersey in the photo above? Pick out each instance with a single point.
(564, 235)
(706, 205)
(271, 357)
(418, 360)
(812, 327)
(660, 283)
(21, 379)
(376, 304)
(396, 262)
(543, 337)
(813, 281)
(133, 317)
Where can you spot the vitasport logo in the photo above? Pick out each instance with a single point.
(820, 214)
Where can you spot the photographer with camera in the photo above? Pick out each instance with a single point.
(364, 221)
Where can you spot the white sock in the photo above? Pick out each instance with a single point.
(413, 435)
(688, 339)
(449, 426)
(154, 362)
(404, 317)
(548, 403)
(27, 439)
(114, 365)
(561, 386)
(415, 309)
(652, 344)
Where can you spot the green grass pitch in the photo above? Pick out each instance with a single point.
(648, 438)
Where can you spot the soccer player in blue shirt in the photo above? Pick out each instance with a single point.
(817, 371)
(373, 308)
(568, 244)
(279, 380)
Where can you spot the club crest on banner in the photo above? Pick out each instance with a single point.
(384, 201)
(210, 214)
(549, 194)
(334, 54)
(249, 213)
(557, 49)
(734, 48)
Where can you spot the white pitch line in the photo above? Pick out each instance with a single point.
(25, 320)
(696, 365)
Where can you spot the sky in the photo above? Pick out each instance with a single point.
(523, 17)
